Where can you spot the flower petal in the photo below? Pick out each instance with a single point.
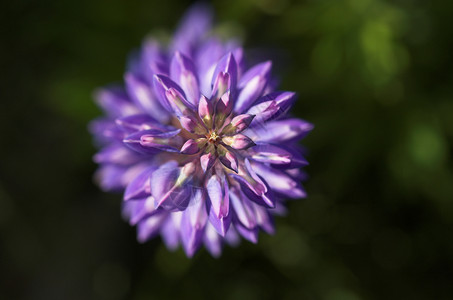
(238, 54)
(193, 223)
(153, 60)
(263, 111)
(271, 107)
(280, 131)
(194, 26)
(208, 159)
(179, 105)
(232, 238)
(206, 59)
(206, 111)
(117, 154)
(111, 177)
(226, 65)
(170, 230)
(192, 124)
(153, 141)
(243, 209)
(249, 234)
(140, 122)
(221, 224)
(183, 72)
(140, 187)
(284, 101)
(297, 159)
(268, 153)
(227, 158)
(161, 85)
(192, 146)
(279, 181)
(149, 227)
(218, 195)
(171, 187)
(140, 209)
(263, 199)
(238, 141)
(115, 102)
(212, 240)
(223, 108)
(105, 131)
(252, 85)
(264, 218)
(141, 94)
(238, 124)
(254, 187)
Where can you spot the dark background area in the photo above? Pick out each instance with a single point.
(374, 76)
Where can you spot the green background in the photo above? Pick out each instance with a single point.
(374, 76)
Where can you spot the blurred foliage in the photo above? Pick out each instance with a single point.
(374, 76)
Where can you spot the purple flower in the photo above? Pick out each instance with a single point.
(200, 145)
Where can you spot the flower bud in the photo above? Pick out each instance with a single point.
(238, 124)
(191, 147)
(227, 158)
(238, 142)
(205, 111)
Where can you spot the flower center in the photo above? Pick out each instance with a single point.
(213, 137)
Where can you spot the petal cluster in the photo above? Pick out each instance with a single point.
(201, 145)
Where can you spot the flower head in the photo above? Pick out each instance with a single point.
(201, 145)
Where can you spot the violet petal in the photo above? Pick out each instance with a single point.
(252, 85)
(140, 187)
(161, 85)
(227, 64)
(193, 223)
(218, 195)
(149, 227)
(183, 72)
(141, 94)
(280, 131)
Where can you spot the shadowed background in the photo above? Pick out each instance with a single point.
(374, 76)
